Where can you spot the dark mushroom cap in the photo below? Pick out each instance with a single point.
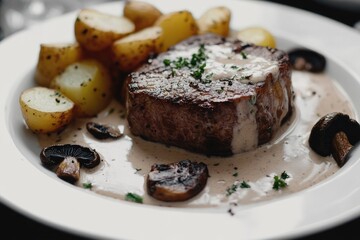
(102, 131)
(325, 129)
(55, 154)
(178, 181)
(307, 60)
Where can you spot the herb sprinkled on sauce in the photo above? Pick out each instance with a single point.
(133, 197)
(279, 182)
(87, 185)
(196, 64)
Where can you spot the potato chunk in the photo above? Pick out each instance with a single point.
(258, 36)
(53, 59)
(177, 26)
(142, 14)
(96, 31)
(88, 84)
(129, 52)
(45, 110)
(215, 20)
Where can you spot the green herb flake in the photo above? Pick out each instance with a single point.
(235, 174)
(244, 184)
(234, 67)
(167, 62)
(278, 183)
(284, 175)
(133, 197)
(87, 185)
(244, 56)
(230, 190)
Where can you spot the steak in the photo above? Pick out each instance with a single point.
(211, 95)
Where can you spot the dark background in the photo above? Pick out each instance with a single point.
(18, 226)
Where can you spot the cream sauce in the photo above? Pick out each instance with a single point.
(127, 161)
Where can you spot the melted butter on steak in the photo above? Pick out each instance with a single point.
(239, 102)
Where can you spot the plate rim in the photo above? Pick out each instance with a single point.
(9, 195)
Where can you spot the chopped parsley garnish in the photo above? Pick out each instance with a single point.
(234, 67)
(284, 175)
(235, 174)
(196, 64)
(279, 182)
(244, 56)
(232, 189)
(87, 185)
(244, 184)
(133, 197)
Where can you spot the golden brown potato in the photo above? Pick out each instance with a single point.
(142, 14)
(96, 31)
(88, 84)
(177, 26)
(45, 110)
(257, 35)
(215, 20)
(53, 59)
(131, 51)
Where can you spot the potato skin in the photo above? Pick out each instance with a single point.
(258, 36)
(88, 84)
(131, 51)
(215, 20)
(142, 14)
(96, 31)
(53, 59)
(177, 26)
(45, 110)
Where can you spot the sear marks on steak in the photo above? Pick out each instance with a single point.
(177, 181)
(239, 101)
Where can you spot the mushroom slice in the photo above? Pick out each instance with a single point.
(303, 59)
(102, 131)
(335, 134)
(55, 154)
(69, 170)
(177, 181)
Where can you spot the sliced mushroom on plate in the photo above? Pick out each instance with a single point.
(178, 181)
(335, 134)
(69, 158)
(103, 131)
(303, 59)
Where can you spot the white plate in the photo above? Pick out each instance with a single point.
(27, 188)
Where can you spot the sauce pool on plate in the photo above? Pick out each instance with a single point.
(242, 178)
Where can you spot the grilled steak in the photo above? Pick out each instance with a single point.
(211, 95)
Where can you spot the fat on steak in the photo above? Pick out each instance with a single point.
(211, 95)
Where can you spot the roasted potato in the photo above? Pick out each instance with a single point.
(129, 52)
(177, 26)
(45, 110)
(142, 14)
(258, 36)
(53, 59)
(96, 31)
(88, 84)
(215, 20)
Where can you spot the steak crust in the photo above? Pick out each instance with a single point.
(220, 115)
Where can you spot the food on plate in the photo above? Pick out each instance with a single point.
(95, 30)
(186, 26)
(258, 36)
(68, 158)
(142, 14)
(53, 59)
(45, 110)
(133, 50)
(88, 84)
(178, 181)
(211, 95)
(103, 131)
(304, 59)
(335, 134)
(215, 20)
